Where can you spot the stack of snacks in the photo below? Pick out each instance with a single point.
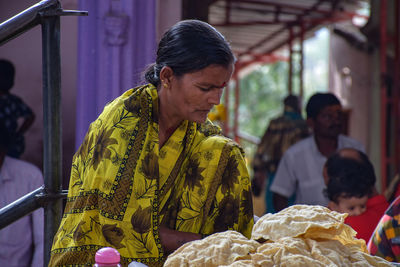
(301, 235)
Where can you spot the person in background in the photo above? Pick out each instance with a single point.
(12, 109)
(350, 179)
(153, 173)
(281, 133)
(300, 169)
(21, 243)
(385, 241)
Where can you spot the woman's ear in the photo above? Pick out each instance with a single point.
(166, 75)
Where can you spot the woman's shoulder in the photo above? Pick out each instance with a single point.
(217, 141)
(128, 102)
(120, 101)
(208, 129)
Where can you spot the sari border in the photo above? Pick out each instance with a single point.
(114, 204)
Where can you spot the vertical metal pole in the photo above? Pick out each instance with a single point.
(383, 91)
(225, 126)
(290, 74)
(236, 111)
(52, 126)
(301, 71)
(227, 11)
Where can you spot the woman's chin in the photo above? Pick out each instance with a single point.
(200, 119)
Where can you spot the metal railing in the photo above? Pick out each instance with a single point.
(46, 13)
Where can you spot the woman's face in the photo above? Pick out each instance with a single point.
(193, 95)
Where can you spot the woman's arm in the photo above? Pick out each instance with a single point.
(172, 239)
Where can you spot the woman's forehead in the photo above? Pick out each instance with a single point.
(215, 75)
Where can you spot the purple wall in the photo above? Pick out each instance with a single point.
(115, 43)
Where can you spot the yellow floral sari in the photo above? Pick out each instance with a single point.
(123, 186)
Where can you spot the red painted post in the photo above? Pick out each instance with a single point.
(383, 91)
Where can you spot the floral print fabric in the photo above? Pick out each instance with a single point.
(123, 185)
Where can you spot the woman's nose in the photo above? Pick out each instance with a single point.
(215, 97)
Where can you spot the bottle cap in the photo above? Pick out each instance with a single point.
(107, 255)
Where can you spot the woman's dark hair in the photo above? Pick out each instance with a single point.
(318, 102)
(7, 73)
(189, 46)
(349, 177)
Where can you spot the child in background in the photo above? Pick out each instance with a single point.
(350, 186)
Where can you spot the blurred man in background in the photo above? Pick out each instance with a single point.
(300, 169)
(281, 133)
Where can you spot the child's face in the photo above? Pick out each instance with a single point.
(352, 205)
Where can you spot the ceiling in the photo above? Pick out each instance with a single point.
(256, 28)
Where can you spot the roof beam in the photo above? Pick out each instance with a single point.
(330, 14)
(195, 9)
(341, 17)
(309, 27)
(268, 37)
(313, 9)
(268, 9)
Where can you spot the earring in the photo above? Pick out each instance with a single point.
(165, 85)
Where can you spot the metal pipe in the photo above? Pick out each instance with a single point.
(313, 9)
(47, 13)
(249, 138)
(290, 69)
(225, 125)
(20, 207)
(301, 71)
(52, 125)
(236, 107)
(23, 21)
(27, 204)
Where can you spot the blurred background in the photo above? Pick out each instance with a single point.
(349, 47)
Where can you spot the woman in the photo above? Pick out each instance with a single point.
(153, 172)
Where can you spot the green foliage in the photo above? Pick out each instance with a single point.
(263, 90)
(316, 57)
(261, 94)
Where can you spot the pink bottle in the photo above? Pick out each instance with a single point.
(107, 257)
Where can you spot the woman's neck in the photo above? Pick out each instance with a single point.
(167, 122)
(165, 131)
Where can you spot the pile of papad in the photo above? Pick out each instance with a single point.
(300, 235)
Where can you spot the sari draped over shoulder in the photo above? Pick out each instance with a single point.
(123, 185)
